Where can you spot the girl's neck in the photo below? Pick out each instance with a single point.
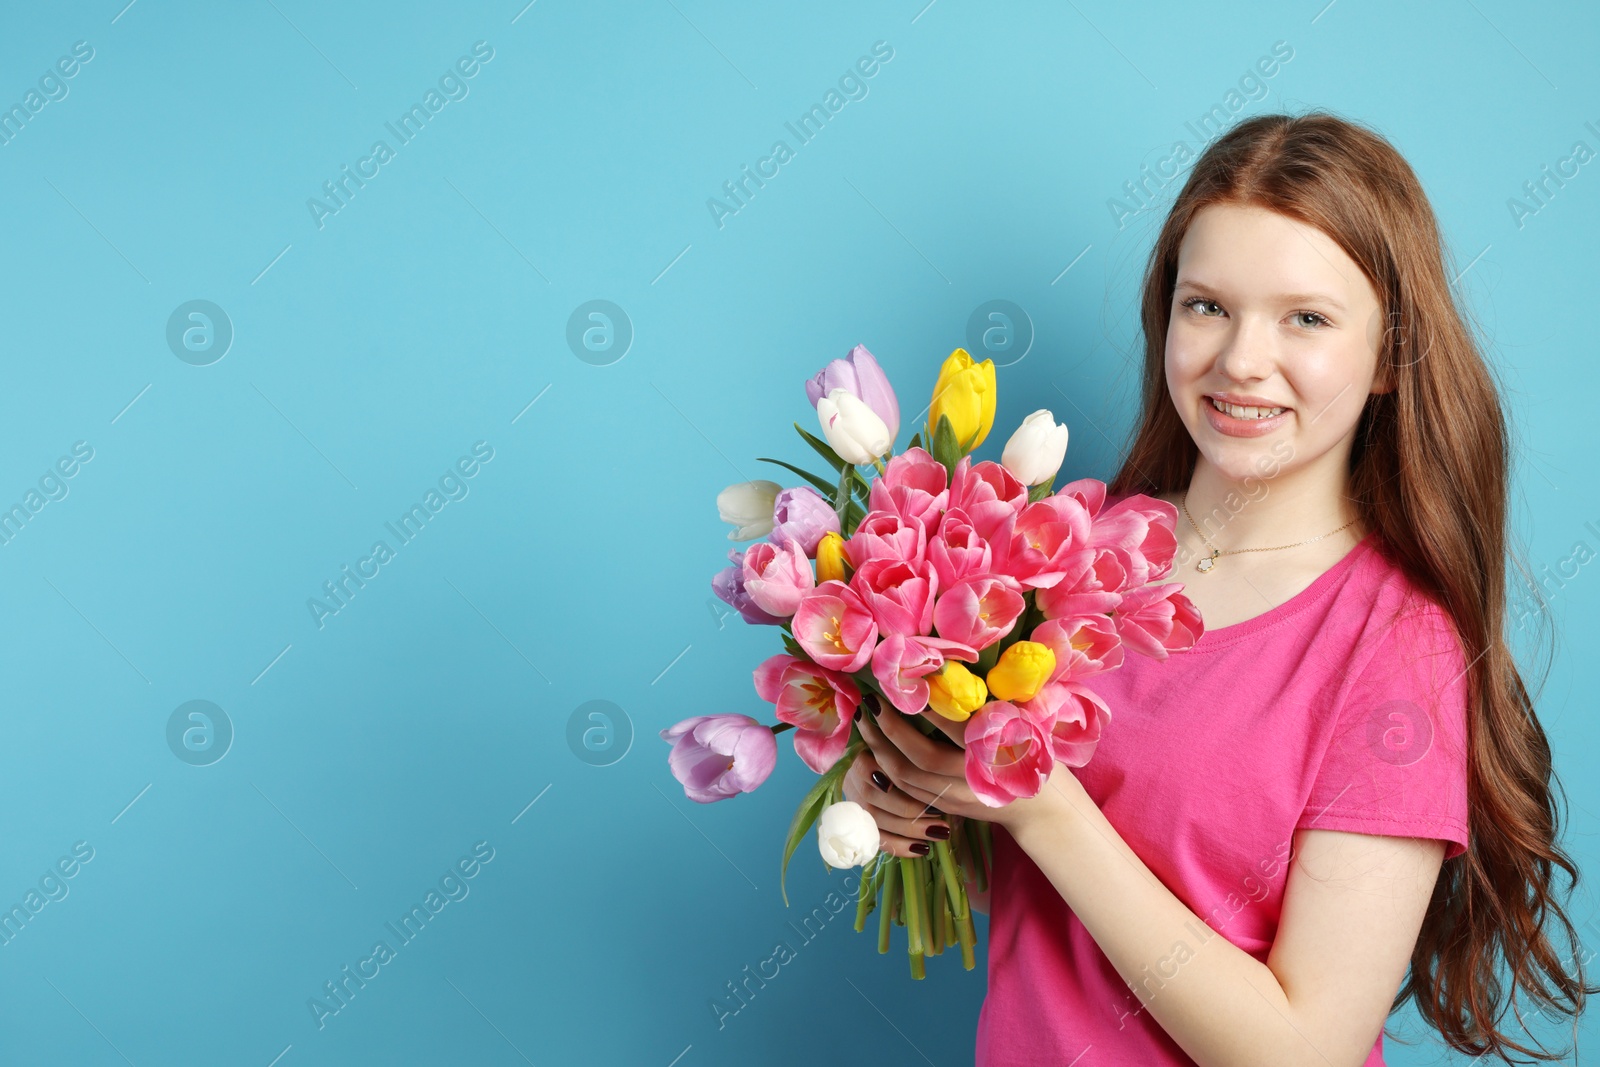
(1265, 513)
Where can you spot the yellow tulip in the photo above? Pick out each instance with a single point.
(965, 394)
(956, 692)
(830, 558)
(1022, 671)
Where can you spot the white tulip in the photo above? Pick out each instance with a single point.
(853, 429)
(748, 506)
(847, 834)
(1036, 450)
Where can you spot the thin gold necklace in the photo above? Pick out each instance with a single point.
(1207, 562)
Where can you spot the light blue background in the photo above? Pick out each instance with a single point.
(431, 311)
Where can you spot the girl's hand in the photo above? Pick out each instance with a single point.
(907, 825)
(926, 778)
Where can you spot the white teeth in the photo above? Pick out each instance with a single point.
(1245, 413)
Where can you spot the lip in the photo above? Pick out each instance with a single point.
(1246, 400)
(1228, 425)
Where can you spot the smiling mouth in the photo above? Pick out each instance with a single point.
(1243, 412)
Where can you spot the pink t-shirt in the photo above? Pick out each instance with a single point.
(1343, 708)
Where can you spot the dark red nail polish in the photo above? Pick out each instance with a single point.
(939, 832)
(921, 848)
(858, 714)
(880, 780)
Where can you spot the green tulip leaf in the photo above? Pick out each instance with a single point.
(822, 447)
(946, 449)
(820, 484)
(1038, 492)
(805, 817)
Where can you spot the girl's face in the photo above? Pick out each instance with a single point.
(1269, 313)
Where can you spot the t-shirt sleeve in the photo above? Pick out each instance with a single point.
(1397, 761)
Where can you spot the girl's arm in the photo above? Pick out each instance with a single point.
(1351, 912)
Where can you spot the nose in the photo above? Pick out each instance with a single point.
(1248, 353)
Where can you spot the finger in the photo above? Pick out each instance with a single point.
(894, 800)
(904, 847)
(920, 750)
(893, 827)
(955, 731)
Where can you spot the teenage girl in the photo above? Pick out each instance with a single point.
(1342, 787)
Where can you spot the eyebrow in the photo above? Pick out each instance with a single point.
(1285, 298)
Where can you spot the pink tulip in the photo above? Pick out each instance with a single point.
(979, 611)
(1091, 493)
(913, 486)
(1158, 619)
(1083, 645)
(728, 584)
(899, 594)
(884, 533)
(957, 551)
(902, 664)
(835, 627)
(802, 516)
(776, 578)
(715, 757)
(1008, 754)
(1096, 589)
(1143, 530)
(1045, 542)
(988, 493)
(1073, 716)
(819, 702)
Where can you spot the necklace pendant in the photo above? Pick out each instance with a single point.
(1207, 563)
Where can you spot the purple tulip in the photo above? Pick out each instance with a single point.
(859, 375)
(728, 584)
(719, 756)
(801, 515)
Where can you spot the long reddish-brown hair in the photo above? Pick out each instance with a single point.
(1428, 473)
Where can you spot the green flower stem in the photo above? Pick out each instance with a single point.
(959, 908)
(917, 970)
(925, 880)
(891, 885)
(781, 727)
(841, 499)
(954, 893)
(867, 898)
(911, 883)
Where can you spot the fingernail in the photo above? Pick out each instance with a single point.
(880, 780)
(921, 848)
(858, 714)
(939, 832)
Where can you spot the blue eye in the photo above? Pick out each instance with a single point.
(1320, 319)
(1193, 300)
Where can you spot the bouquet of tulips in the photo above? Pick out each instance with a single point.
(941, 586)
